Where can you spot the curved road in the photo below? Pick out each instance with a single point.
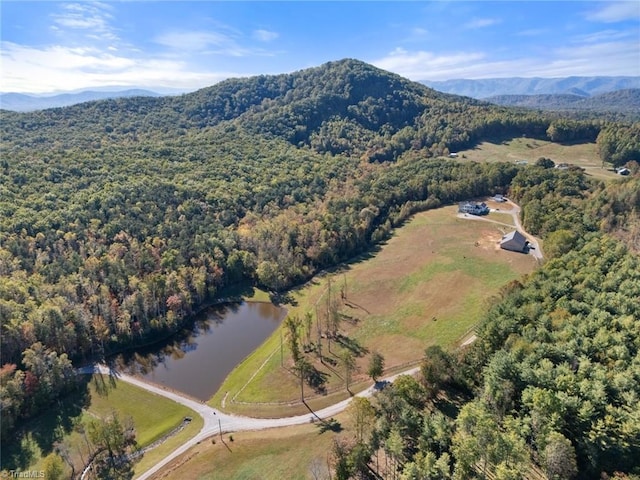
(215, 420)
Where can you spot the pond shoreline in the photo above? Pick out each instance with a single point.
(196, 359)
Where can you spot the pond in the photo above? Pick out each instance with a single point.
(196, 361)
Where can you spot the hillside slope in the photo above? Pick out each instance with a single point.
(341, 107)
(620, 101)
(120, 218)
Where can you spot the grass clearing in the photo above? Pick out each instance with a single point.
(428, 285)
(584, 155)
(153, 417)
(292, 452)
(154, 456)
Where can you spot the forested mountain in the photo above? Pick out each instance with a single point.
(19, 102)
(120, 218)
(489, 87)
(342, 107)
(620, 101)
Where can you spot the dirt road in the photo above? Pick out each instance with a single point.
(514, 211)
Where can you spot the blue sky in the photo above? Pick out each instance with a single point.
(59, 46)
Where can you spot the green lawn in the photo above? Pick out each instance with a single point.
(152, 415)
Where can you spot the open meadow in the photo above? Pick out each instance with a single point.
(293, 452)
(428, 285)
(583, 155)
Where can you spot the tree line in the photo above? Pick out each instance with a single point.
(121, 218)
(551, 386)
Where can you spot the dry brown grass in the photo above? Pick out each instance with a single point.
(292, 452)
(584, 155)
(428, 285)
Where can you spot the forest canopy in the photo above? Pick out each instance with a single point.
(121, 218)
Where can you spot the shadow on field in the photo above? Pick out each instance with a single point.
(43, 431)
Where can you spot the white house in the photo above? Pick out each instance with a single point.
(473, 208)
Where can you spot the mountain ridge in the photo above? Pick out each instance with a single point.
(345, 106)
(20, 102)
(620, 101)
(484, 88)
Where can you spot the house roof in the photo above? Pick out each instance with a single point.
(514, 240)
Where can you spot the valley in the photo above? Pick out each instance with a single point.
(328, 191)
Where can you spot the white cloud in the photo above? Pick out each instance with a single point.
(607, 58)
(419, 32)
(616, 12)
(207, 43)
(421, 65)
(602, 36)
(265, 35)
(533, 32)
(93, 18)
(193, 41)
(482, 23)
(55, 68)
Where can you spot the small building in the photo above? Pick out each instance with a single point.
(514, 241)
(498, 197)
(453, 155)
(623, 171)
(473, 208)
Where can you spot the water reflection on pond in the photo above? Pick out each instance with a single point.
(197, 361)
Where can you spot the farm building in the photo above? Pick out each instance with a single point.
(498, 197)
(623, 171)
(515, 242)
(473, 208)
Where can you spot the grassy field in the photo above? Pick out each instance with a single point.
(152, 415)
(292, 453)
(428, 285)
(584, 155)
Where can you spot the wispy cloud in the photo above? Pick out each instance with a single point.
(93, 19)
(208, 43)
(602, 36)
(605, 58)
(32, 69)
(481, 23)
(532, 32)
(419, 32)
(194, 41)
(422, 65)
(265, 35)
(615, 12)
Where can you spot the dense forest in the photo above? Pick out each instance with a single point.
(551, 388)
(120, 218)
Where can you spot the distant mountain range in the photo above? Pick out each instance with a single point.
(621, 101)
(19, 102)
(491, 87)
(495, 90)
